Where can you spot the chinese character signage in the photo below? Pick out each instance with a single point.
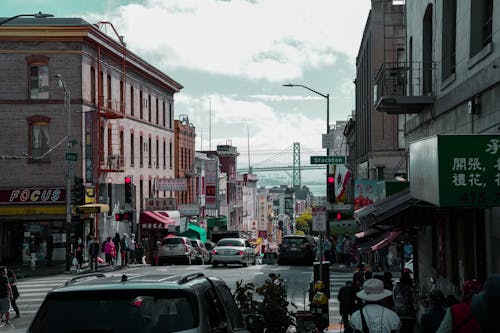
(456, 170)
(176, 184)
(365, 192)
(161, 204)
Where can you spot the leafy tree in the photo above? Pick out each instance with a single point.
(304, 221)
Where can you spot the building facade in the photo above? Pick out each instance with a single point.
(121, 125)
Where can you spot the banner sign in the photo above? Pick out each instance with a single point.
(175, 184)
(161, 204)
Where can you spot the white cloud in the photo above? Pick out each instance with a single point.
(274, 40)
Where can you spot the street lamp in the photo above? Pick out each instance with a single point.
(327, 96)
(38, 15)
(69, 171)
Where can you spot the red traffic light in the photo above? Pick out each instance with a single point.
(339, 216)
(331, 179)
(119, 217)
(128, 180)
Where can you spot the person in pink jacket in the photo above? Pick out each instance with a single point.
(109, 250)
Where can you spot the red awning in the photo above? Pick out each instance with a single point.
(386, 241)
(155, 220)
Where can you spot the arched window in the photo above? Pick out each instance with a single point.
(38, 135)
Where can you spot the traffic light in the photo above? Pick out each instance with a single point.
(128, 189)
(125, 216)
(79, 191)
(330, 187)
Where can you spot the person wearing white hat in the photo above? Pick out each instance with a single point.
(372, 315)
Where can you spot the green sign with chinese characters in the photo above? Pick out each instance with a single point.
(328, 159)
(456, 170)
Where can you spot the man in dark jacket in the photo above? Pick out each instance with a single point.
(94, 250)
(347, 301)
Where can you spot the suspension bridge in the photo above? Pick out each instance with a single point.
(296, 168)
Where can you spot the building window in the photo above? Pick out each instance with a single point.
(149, 108)
(170, 155)
(150, 189)
(164, 114)
(141, 151)
(122, 148)
(141, 193)
(427, 51)
(164, 155)
(141, 105)
(108, 86)
(110, 142)
(92, 85)
(157, 113)
(101, 88)
(481, 26)
(149, 153)
(39, 80)
(132, 101)
(449, 37)
(170, 115)
(122, 105)
(132, 156)
(157, 153)
(38, 136)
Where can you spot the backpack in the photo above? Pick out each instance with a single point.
(403, 301)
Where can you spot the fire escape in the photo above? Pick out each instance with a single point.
(110, 137)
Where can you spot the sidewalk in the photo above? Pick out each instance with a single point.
(24, 271)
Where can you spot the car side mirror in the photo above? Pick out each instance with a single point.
(255, 323)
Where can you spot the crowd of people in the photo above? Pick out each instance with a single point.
(371, 302)
(118, 250)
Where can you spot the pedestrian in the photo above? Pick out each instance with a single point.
(275, 279)
(50, 249)
(79, 250)
(5, 296)
(116, 242)
(124, 249)
(430, 321)
(109, 247)
(457, 318)
(346, 250)
(94, 250)
(359, 274)
(373, 317)
(404, 302)
(347, 301)
(15, 292)
(131, 249)
(485, 305)
(327, 247)
(33, 249)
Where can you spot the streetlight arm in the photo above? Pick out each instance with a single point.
(38, 15)
(306, 87)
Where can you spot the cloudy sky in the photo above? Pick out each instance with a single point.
(232, 57)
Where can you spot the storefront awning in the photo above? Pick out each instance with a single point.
(92, 208)
(195, 231)
(172, 214)
(386, 208)
(154, 220)
(217, 221)
(381, 241)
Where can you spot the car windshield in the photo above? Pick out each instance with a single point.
(194, 243)
(118, 311)
(230, 242)
(293, 241)
(172, 241)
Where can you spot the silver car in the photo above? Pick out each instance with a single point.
(176, 248)
(233, 251)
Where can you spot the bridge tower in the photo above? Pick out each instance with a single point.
(297, 181)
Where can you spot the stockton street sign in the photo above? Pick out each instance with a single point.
(327, 159)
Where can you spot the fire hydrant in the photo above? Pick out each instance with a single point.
(319, 306)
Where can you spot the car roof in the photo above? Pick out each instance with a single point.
(100, 282)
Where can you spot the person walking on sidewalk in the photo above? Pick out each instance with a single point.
(94, 250)
(109, 247)
(116, 241)
(404, 302)
(5, 296)
(124, 249)
(347, 301)
(79, 249)
(15, 292)
(373, 317)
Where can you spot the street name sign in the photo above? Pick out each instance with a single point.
(327, 159)
(71, 157)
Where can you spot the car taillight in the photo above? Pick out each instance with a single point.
(240, 253)
(306, 245)
(214, 251)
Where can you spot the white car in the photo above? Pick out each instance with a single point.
(233, 251)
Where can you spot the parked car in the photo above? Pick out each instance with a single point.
(143, 303)
(209, 245)
(202, 255)
(176, 248)
(233, 251)
(295, 248)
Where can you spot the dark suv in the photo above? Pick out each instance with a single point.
(151, 303)
(297, 248)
